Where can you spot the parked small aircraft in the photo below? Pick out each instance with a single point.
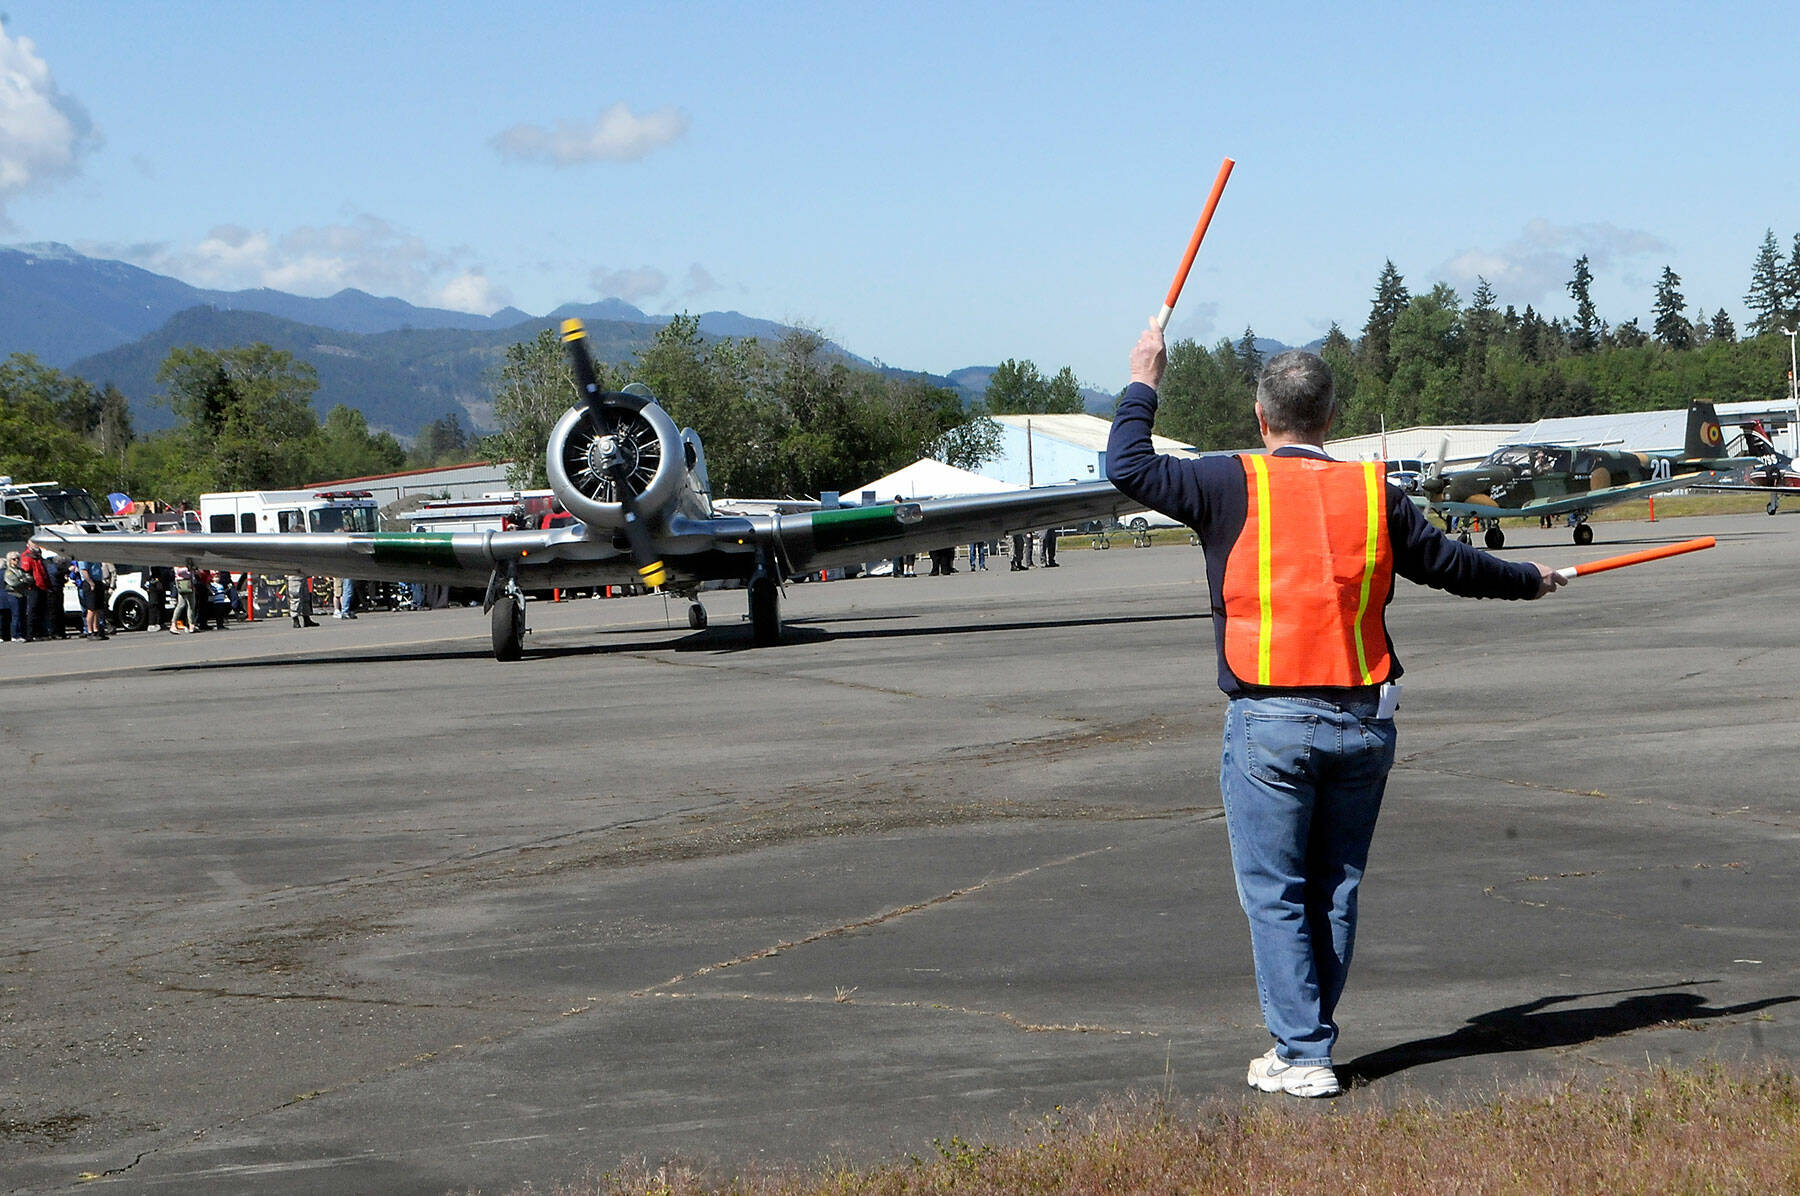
(1774, 473)
(638, 487)
(1534, 480)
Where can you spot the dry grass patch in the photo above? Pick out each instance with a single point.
(1714, 1130)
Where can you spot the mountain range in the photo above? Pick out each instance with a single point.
(400, 364)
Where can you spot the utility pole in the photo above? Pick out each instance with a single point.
(1793, 390)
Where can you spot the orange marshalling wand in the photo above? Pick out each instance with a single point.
(1187, 263)
(1635, 558)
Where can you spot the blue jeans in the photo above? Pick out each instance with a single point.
(1302, 779)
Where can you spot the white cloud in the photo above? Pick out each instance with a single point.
(1197, 322)
(1537, 265)
(699, 281)
(366, 253)
(43, 133)
(470, 291)
(616, 135)
(633, 284)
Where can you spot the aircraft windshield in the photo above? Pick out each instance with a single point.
(1535, 457)
(71, 506)
(343, 519)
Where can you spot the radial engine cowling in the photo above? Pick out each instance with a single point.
(608, 437)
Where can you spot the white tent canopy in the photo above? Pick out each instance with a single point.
(926, 478)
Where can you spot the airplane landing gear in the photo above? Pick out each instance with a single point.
(697, 617)
(1584, 534)
(1774, 505)
(507, 622)
(1494, 537)
(765, 610)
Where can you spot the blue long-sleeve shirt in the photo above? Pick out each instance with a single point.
(1208, 494)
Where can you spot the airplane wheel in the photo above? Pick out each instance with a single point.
(1464, 537)
(1584, 534)
(765, 611)
(1494, 538)
(697, 617)
(1774, 506)
(508, 625)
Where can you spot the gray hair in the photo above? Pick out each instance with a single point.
(1296, 393)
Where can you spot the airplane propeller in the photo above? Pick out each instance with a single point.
(610, 450)
(1434, 477)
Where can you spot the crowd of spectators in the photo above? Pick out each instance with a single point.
(48, 597)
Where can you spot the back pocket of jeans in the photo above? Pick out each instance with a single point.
(1277, 747)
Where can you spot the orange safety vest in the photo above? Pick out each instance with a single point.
(1307, 582)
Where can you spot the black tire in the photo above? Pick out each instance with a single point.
(130, 613)
(765, 612)
(507, 622)
(697, 617)
(1494, 538)
(1584, 534)
(1774, 506)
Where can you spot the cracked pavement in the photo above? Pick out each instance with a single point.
(358, 909)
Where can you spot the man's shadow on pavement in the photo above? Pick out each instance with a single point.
(1534, 1026)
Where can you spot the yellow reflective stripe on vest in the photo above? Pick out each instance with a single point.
(1265, 634)
(1373, 484)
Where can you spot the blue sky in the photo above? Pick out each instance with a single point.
(932, 185)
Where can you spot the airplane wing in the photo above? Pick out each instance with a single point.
(1560, 504)
(694, 549)
(1748, 488)
(1610, 495)
(454, 558)
(854, 534)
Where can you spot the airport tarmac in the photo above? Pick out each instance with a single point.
(357, 909)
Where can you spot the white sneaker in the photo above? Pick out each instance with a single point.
(1268, 1073)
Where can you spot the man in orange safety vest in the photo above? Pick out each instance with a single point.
(1301, 554)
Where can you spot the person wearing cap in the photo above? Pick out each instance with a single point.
(1301, 554)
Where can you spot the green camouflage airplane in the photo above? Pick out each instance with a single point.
(638, 486)
(1526, 481)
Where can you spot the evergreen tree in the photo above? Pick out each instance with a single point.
(1249, 358)
(1769, 288)
(1584, 337)
(1530, 336)
(1721, 328)
(442, 440)
(1790, 300)
(1064, 395)
(1391, 298)
(1629, 336)
(1671, 327)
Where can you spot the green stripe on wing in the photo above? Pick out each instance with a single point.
(855, 525)
(413, 548)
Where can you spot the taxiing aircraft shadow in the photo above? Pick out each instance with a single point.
(1534, 1026)
(720, 637)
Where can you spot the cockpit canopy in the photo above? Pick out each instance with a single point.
(1535, 458)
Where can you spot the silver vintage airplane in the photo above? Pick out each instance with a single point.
(638, 486)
